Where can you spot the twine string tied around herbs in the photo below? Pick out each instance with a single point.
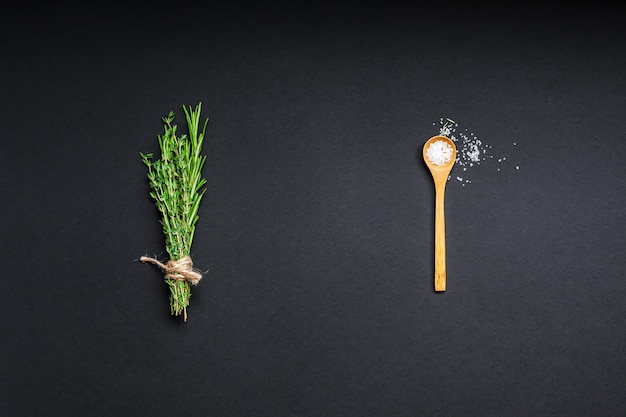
(180, 270)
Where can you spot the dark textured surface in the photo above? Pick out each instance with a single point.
(317, 225)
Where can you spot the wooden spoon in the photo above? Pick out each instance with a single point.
(440, 175)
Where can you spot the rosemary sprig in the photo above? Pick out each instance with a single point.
(176, 186)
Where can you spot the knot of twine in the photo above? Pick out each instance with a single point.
(180, 270)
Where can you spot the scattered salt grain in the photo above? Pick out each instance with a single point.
(439, 152)
(471, 151)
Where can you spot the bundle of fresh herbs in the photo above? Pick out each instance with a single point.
(176, 186)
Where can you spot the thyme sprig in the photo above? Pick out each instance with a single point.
(176, 186)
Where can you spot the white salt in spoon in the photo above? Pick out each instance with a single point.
(439, 155)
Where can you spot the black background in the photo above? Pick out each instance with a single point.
(317, 226)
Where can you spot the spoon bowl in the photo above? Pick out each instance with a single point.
(439, 154)
(439, 171)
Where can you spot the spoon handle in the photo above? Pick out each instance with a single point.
(440, 241)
